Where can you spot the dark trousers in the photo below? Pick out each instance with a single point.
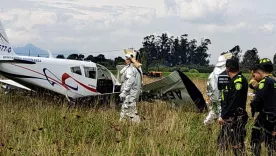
(233, 133)
(262, 131)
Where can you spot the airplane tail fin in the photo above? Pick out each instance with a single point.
(5, 46)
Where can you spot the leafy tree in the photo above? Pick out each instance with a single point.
(107, 63)
(164, 47)
(81, 57)
(90, 58)
(100, 58)
(170, 51)
(119, 60)
(250, 59)
(201, 56)
(73, 57)
(183, 52)
(60, 56)
(175, 52)
(192, 47)
(149, 47)
(144, 59)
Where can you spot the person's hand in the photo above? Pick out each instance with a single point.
(253, 83)
(208, 100)
(221, 121)
(274, 133)
(122, 95)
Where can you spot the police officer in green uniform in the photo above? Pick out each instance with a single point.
(233, 115)
(265, 104)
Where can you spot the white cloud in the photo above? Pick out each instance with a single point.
(229, 28)
(269, 27)
(198, 10)
(96, 25)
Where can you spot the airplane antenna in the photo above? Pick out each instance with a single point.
(50, 54)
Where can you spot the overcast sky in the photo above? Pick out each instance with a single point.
(103, 25)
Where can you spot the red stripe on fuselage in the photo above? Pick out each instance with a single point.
(66, 76)
(43, 75)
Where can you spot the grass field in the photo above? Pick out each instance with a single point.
(33, 126)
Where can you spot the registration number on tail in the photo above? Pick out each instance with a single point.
(5, 48)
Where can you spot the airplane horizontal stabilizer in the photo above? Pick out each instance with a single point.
(13, 83)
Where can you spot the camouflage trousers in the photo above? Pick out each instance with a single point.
(214, 113)
(129, 110)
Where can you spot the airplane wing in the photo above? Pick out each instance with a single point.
(176, 87)
(15, 84)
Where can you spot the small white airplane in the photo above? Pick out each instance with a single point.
(77, 79)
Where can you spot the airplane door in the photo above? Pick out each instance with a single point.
(76, 77)
(85, 78)
(90, 76)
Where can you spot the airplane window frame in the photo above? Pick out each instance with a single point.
(93, 70)
(73, 70)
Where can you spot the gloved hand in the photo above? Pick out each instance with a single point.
(122, 95)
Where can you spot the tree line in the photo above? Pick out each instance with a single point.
(170, 51)
(100, 59)
(161, 52)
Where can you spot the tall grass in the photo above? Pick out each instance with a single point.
(34, 126)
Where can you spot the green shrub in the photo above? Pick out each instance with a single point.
(174, 68)
(193, 71)
(184, 69)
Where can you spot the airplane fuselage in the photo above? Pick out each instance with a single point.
(72, 78)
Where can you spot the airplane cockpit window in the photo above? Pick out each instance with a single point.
(76, 70)
(90, 72)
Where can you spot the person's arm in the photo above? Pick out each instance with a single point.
(257, 102)
(253, 84)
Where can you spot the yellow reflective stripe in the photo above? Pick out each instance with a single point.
(238, 80)
(264, 61)
(222, 95)
(263, 80)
